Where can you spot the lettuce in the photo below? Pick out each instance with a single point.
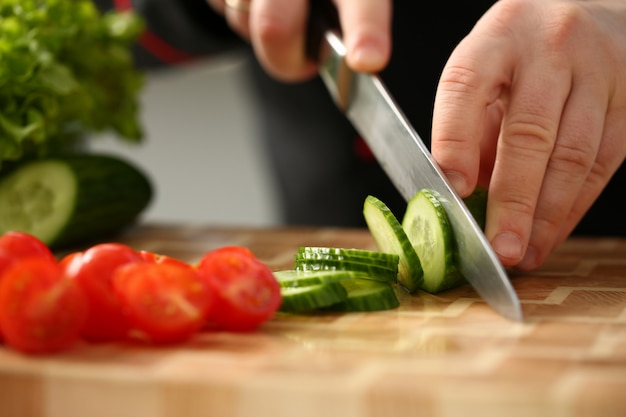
(66, 71)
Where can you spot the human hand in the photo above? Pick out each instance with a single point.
(532, 103)
(277, 30)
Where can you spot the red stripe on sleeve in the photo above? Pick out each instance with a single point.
(154, 44)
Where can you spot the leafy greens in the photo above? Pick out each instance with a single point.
(66, 71)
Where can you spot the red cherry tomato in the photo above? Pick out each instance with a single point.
(160, 259)
(247, 292)
(16, 245)
(165, 302)
(41, 311)
(93, 271)
(5, 260)
(21, 245)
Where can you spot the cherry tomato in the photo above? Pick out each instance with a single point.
(41, 311)
(21, 245)
(93, 271)
(5, 260)
(165, 302)
(247, 292)
(16, 245)
(160, 259)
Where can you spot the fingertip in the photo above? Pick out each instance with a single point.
(509, 248)
(458, 183)
(368, 53)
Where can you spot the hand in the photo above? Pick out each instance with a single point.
(533, 103)
(277, 29)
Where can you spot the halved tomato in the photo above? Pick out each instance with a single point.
(247, 292)
(163, 302)
(41, 310)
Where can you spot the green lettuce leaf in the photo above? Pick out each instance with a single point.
(66, 72)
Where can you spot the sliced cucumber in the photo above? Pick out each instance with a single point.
(295, 278)
(304, 298)
(366, 295)
(428, 229)
(390, 237)
(69, 199)
(345, 291)
(387, 260)
(371, 271)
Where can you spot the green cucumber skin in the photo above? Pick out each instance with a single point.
(451, 277)
(388, 260)
(381, 259)
(110, 195)
(410, 271)
(366, 296)
(299, 299)
(373, 272)
(298, 278)
(477, 205)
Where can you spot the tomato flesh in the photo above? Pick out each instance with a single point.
(164, 302)
(93, 271)
(247, 292)
(41, 311)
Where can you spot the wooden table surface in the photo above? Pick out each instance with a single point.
(444, 355)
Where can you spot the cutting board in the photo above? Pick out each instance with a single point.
(436, 355)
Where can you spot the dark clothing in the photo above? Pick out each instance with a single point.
(322, 177)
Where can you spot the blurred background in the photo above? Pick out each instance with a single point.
(200, 148)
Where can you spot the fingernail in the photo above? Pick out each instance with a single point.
(368, 56)
(508, 246)
(458, 182)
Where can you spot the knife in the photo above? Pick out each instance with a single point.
(403, 155)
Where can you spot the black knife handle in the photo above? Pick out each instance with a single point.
(322, 17)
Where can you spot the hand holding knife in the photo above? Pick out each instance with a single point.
(404, 157)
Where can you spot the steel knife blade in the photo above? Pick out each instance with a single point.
(407, 161)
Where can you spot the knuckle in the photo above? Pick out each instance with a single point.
(459, 80)
(518, 204)
(577, 158)
(529, 132)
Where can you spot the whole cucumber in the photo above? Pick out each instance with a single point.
(69, 199)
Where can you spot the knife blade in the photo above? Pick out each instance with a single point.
(400, 151)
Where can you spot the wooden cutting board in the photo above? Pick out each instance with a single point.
(436, 355)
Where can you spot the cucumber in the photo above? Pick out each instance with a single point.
(477, 205)
(382, 259)
(338, 290)
(428, 229)
(296, 278)
(390, 237)
(375, 272)
(66, 200)
(366, 295)
(304, 298)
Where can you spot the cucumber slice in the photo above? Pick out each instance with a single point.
(366, 295)
(428, 229)
(382, 259)
(390, 237)
(298, 299)
(338, 291)
(70, 199)
(374, 272)
(295, 278)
